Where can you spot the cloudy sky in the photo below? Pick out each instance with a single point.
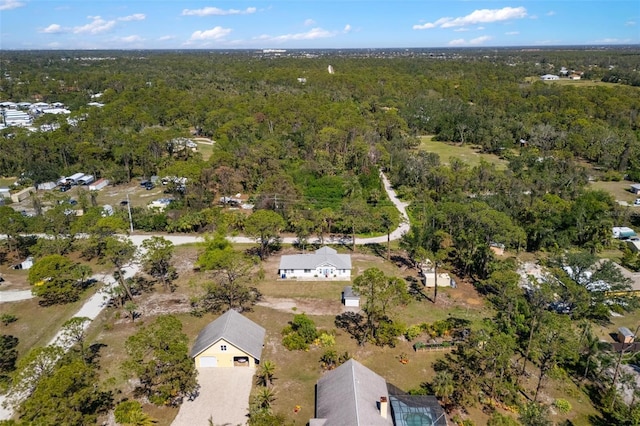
(282, 24)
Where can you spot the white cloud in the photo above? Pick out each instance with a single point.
(630, 23)
(134, 17)
(480, 16)
(215, 33)
(96, 26)
(52, 29)
(461, 30)
(473, 42)
(10, 4)
(512, 33)
(312, 34)
(613, 41)
(309, 22)
(209, 11)
(479, 40)
(167, 37)
(131, 39)
(551, 13)
(347, 28)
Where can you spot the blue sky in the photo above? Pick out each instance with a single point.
(282, 24)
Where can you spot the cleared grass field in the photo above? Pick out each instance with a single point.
(619, 190)
(466, 153)
(5, 182)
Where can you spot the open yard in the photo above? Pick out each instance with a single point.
(466, 153)
(619, 190)
(296, 371)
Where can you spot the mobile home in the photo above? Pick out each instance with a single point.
(98, 185)
(86, 180)
(75, 178)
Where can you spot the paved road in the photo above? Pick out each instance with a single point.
(224, 397)
(94, 305)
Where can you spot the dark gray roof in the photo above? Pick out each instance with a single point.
(349, 395)
(348, 293)
(236, 329)
(323, 256)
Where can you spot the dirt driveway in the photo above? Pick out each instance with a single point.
(223, 398)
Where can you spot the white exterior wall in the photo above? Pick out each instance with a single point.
(429, 280)
(353, 303)
(326, 272)
(96, 186)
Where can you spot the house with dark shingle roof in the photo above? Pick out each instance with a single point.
(354, 395)
(324, 263)
(231, 340)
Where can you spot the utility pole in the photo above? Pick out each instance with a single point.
(130, 218)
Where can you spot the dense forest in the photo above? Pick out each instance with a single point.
(307, 145)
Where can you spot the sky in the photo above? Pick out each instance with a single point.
(307, 24)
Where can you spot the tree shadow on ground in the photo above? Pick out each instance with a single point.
(416, 289)
(353, 323)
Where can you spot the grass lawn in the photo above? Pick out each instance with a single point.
(466, 153)
(619, 190)
(206, 149)
(37, 325)
(569, 82)
(6, 182)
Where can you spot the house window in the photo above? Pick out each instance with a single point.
(223, 347)
(307, 271)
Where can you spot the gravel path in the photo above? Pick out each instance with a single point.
(224, 397)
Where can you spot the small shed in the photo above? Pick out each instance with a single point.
(429, 278)
(625, 335)
(98, 185)
(635, 188)
(349, 298)
(5, 193)
(22, 195)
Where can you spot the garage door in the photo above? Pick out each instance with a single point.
(208, 361)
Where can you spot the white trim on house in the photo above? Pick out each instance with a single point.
(324, 264)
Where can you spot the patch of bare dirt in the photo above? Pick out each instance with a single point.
(157, 303)
(307, 306)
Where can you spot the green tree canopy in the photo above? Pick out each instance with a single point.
(56, 279)
(159, 358)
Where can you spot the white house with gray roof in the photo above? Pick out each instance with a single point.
(324, 263)
(231, 340)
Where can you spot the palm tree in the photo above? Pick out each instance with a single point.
(266, 374)
(264, 398)
(443, 386)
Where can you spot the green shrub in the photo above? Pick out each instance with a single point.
(295, 342)
(305, 327)
(326, 340)
(413, 332)
(562, 405)
(7, 319)
(498, 419)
